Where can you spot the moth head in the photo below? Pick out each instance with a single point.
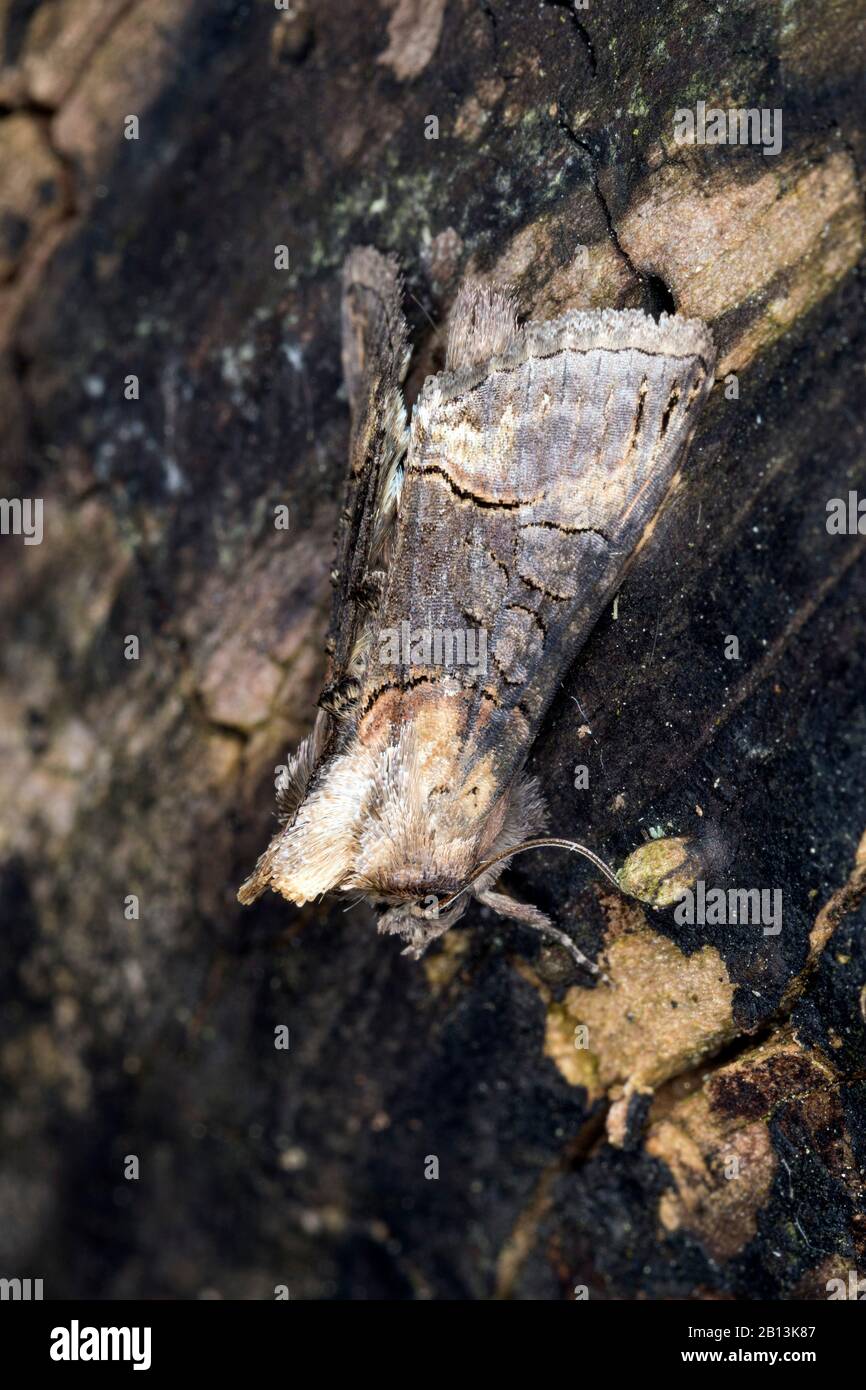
(421, 906)
(418, 922)
(387, 823)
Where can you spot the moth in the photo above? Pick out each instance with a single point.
(509, 506)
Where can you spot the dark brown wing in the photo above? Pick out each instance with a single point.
(375, 352)
(375, 358)
(533, 475)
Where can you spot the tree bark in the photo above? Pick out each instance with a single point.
(164, 387)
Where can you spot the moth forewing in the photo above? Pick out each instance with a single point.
(541, 469)
(375, 356)
(533, 467)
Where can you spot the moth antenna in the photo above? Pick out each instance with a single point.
(545, 842)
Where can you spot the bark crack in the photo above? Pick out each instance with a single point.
(656, 294)
(580, 29)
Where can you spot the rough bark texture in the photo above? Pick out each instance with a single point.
(608, 1166)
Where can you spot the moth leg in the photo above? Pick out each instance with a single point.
(533, 917)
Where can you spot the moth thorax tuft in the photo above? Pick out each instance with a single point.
(338, 699)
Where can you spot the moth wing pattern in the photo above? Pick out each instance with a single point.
(535, 466)
(375, 357)
(375, 354)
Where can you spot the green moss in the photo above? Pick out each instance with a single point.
(659, 872)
